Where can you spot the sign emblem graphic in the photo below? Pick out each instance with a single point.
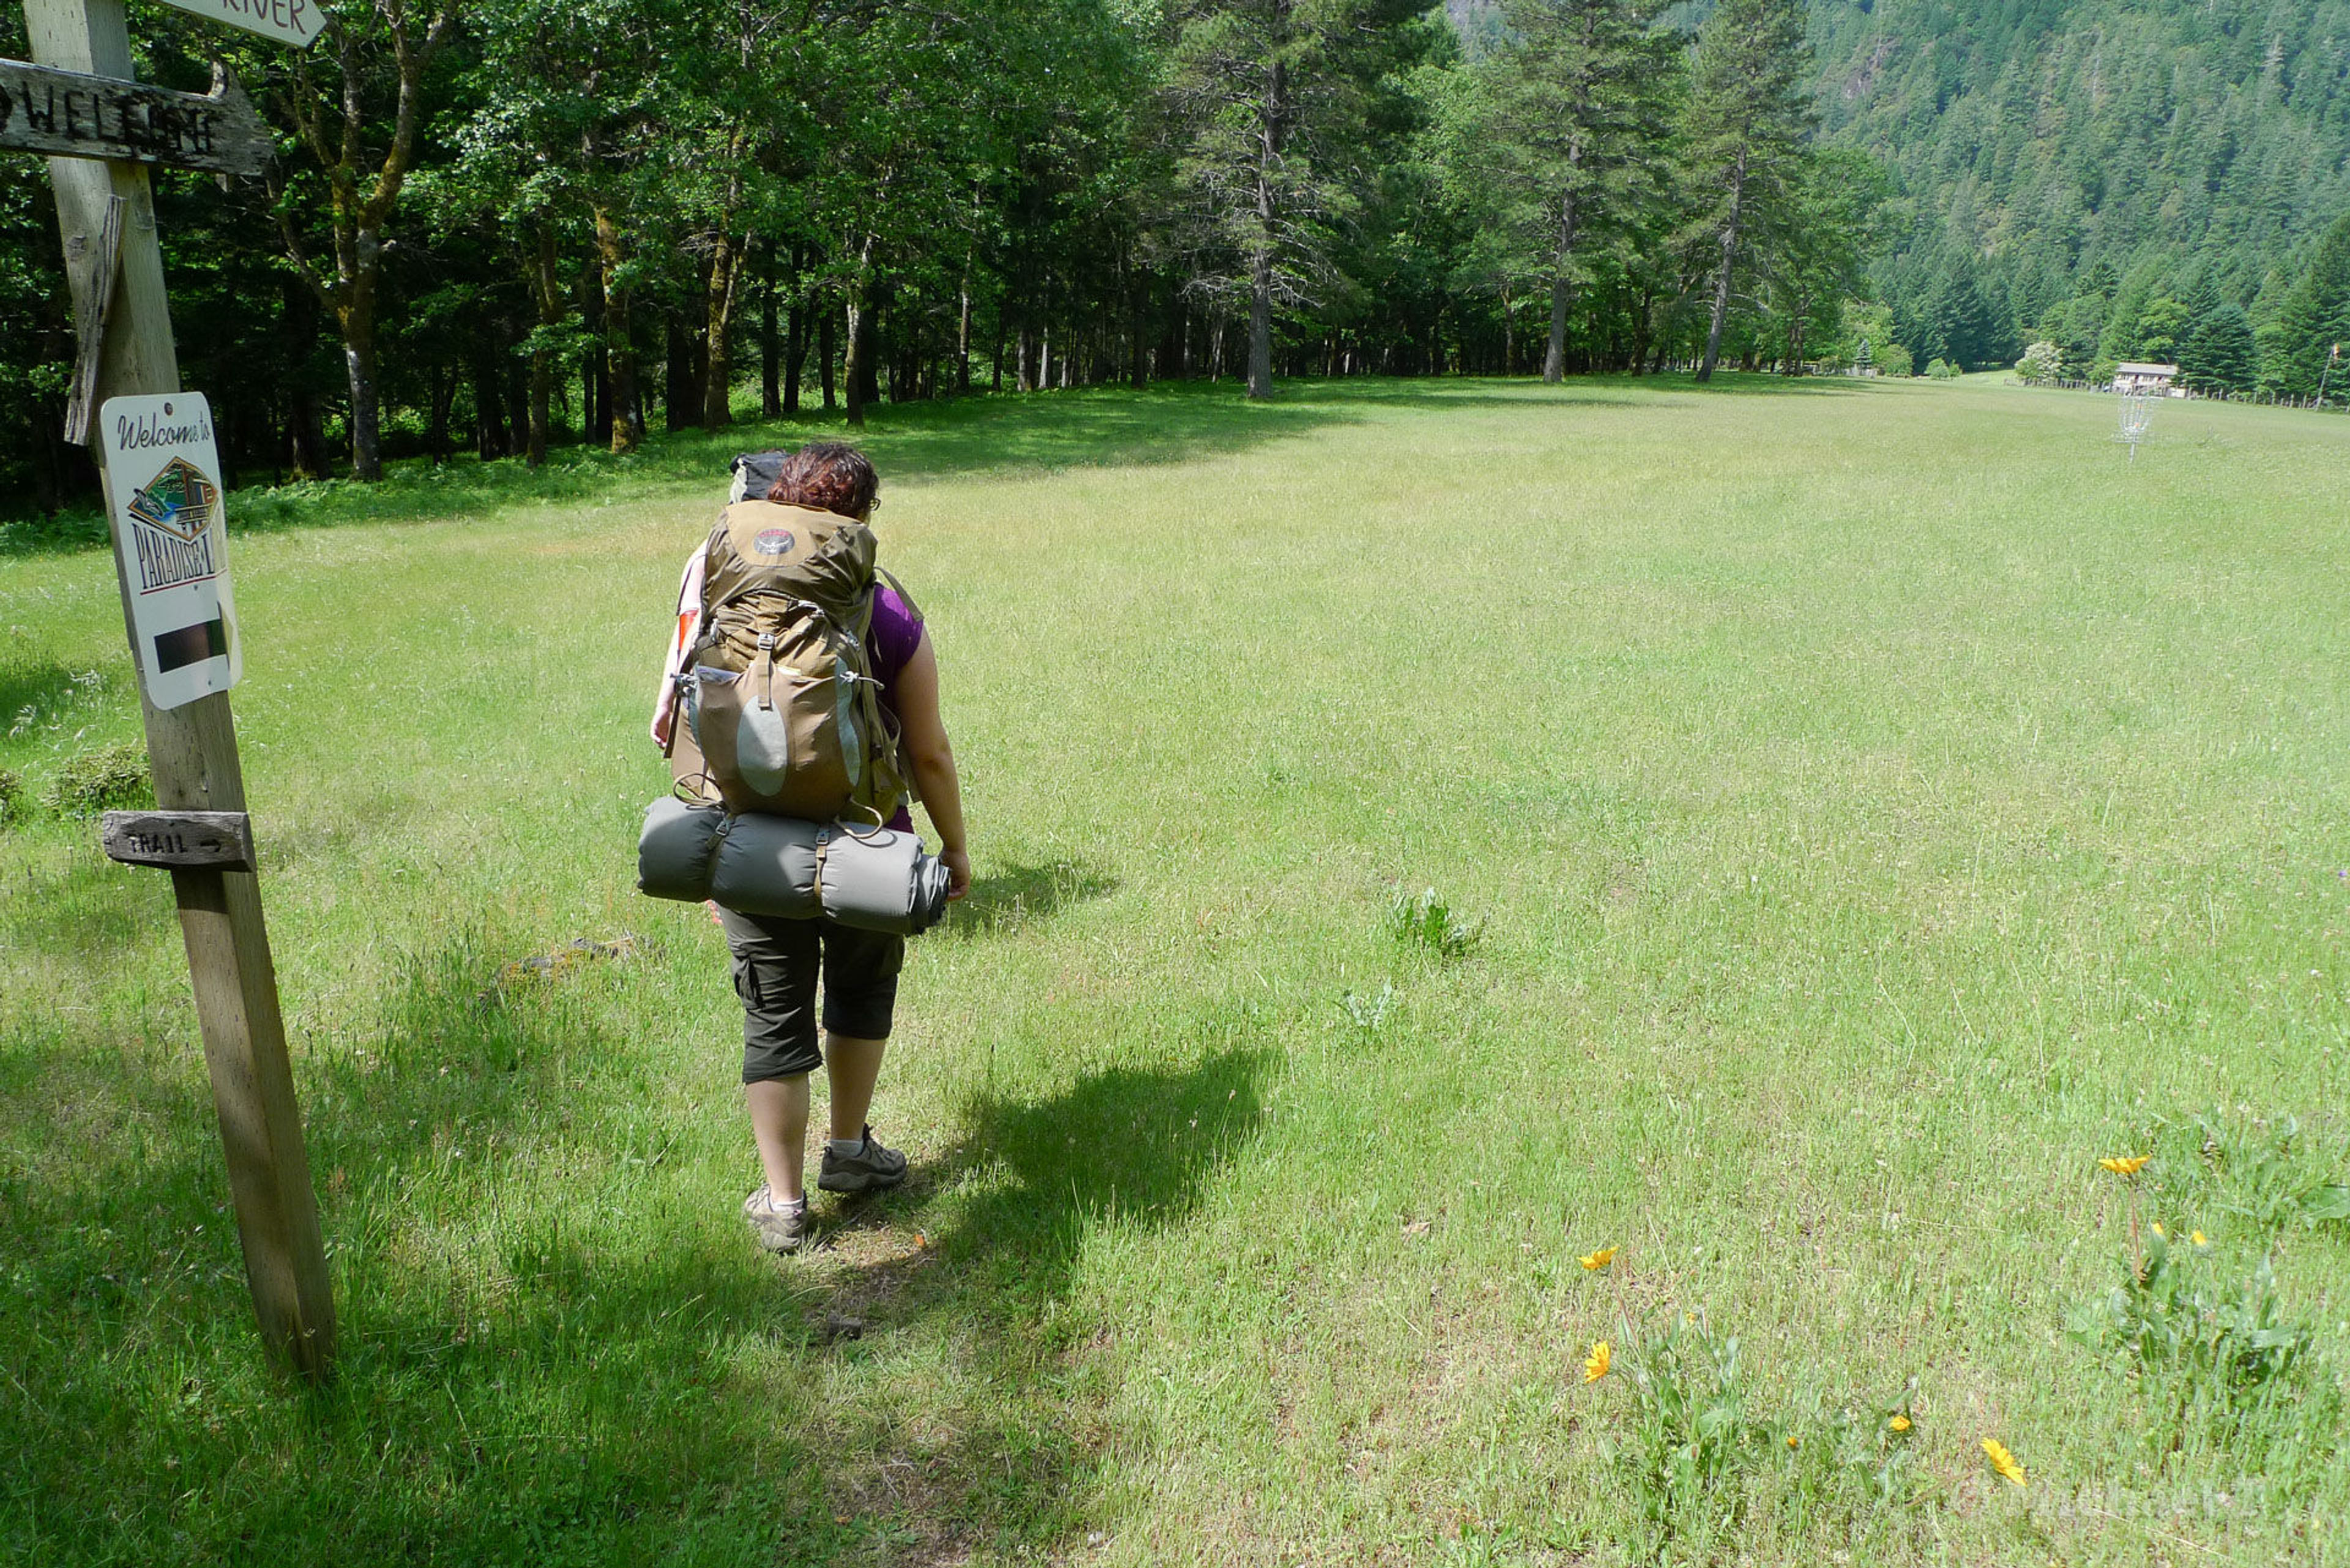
(163, 476)
(773, 542)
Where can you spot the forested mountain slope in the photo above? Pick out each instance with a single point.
(2054, 147)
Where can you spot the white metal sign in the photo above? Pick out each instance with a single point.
(164, 473)
(295, 22)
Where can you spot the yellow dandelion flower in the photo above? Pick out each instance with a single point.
(2008, 1468)
(1899, 1423)
(2160, 1232)
(2199, 1239)
(1595, 1365)
(2129, 1165)
(1598, 1259)
(1793, 1441)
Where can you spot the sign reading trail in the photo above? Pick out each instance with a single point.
(164, 478)
(295, 22)
(46, 111)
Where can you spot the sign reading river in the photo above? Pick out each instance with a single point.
(162, 474)
(295, 22)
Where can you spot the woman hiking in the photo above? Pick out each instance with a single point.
(778, 961)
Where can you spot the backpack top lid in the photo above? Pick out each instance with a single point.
(767, 547)
(756, 473)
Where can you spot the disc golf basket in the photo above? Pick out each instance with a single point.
(2137, 413)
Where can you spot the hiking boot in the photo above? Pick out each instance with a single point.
(780, 1226)
(870, 1170)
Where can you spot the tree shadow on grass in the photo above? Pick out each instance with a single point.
(517, 1377)
(1099, 426)
(615, 1376)
(1166, 422)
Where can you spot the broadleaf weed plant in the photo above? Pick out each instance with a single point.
(2218, 1363)
(1703, 1457)
(1695, 1444)
(2259, 1171)
(1425, 920)
(1369, 1014)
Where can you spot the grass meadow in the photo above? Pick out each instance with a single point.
(1427, 834)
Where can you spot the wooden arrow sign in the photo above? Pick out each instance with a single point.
(68, 113)
(295, 22)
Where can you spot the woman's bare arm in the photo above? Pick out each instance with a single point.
(933, 758)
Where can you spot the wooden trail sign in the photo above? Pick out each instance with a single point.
(174, 839)
(106, 213)
(78, 116)
(295, 22)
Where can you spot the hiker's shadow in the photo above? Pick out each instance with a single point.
(1023, 894)
(1127, 1146)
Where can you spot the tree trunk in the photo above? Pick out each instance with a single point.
(1562, 294)
(489, 403)
(1269, 139)
(1721, 279)
(1795, 366)
(306, 432)
(517, 383)
(963, 339)
(796, 347)
(594, 369)
(357, 325)
(628, 419)
(853, 372)
(542, 359)
(718, 333)
(866, 344)
(827, 354)
(771, 368)
(443, 396)
(681, 396)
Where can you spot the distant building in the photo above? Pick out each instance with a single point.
(2154, 378)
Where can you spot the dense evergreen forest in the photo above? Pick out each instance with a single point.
(505, 227)
(2124, 179)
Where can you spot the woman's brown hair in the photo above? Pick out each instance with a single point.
(828, 475)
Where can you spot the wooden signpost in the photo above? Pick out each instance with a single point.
(101, 129)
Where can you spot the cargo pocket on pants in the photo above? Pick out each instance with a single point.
(746, 984)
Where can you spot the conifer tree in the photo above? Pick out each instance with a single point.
(2314, 317)
(1750, 117)
(1270, 94)
(1574, 130)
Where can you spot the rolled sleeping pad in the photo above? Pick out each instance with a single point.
(876, 879)
(767, 866)
(676, 848)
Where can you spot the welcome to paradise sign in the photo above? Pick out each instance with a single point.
(162, 472)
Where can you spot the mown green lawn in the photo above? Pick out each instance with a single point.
(1880, 802)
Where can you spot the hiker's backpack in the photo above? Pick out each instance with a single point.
(778, 688)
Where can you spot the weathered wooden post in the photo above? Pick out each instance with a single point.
(106, 130)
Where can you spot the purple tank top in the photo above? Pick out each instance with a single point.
(897, 632)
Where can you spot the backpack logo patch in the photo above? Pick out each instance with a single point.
(773, 542)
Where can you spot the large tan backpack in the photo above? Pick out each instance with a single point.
(778, 690)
